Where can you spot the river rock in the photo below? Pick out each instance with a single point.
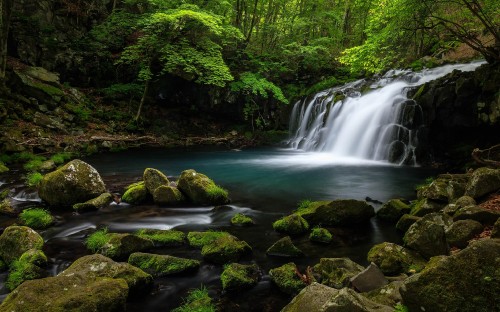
(153, 179)
(16, 240)
(427, 238)
(225, 249)
(284, 247)
(102, 201)
(347, 300)
(75, 182)
(343, 212)
(168, 196)
(311, 298)
(483, 181)
(161, 265)
(426, 206)
(240, 219)
(460, 232)
(121, 245)
(406, 221)
(437, 191)
(393, 259)
(393, 210)
(468, 280)
(320, 235)
(163, 237)
(200, 239)
(237, 277)
(336, 272)
(135, 193)
(293, 224)
(200, 189)
(477, 213)
(369, 279)
(389, 295)
(286, 278)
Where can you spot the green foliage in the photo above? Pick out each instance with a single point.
(81, 111)
(241, 219)
(33, 179)
(36, 218)
(97, 240)
(304, 204)
(161, 237)
(61, 158)
(253, 84)
(19, 272)
(320, 235)
(428, 181)
(293, 224)
(200, 239)
(215, 192)
(401, 308)
(123, 90)
(33, 165)
(198, 300)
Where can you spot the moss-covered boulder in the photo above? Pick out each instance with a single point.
(393, 210)
(320, 235)
(483, 181)
(200, 189)
(98, 266)
(495, 232)
(6, 208)
(200, 239)
(241, 220)
(348, 300)
(460, 232)
(3, 167)
(102, 201)
(153, 179)
(437, 191)
(73, 183)
(225, 249)
(284, 247)
(34, 256)
(135, 193)
(465, 201)
(427, 238)
(286, 278)
(237, 277)
(342, 212)
(477, 213)
(406, 221)
(21, 271)
(163, 237)
(293, 224)
(311, 298)
(468, 280)
(336, 272)
(16, 240)
(393, 259)
(165, 195)
(425, 206)
(389, 295)
(161, 265)
(120, 245)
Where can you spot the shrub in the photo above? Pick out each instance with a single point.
(33, 179)
(34, 164)
(97, 240)
(36, 218)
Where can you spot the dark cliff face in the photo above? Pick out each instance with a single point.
(461, 111)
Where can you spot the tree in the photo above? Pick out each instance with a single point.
(6, 10)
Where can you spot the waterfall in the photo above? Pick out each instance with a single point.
(366, 120)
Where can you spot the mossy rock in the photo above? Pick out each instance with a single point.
(3, 168)
(200, 239)
(389, 295)
(153, 179)
(286, 278)
(468, 280)
(162, 265)
(437, 190)
(393, 259)
(225, 249)
(320, 235)
(165, 195)
(427, 238)
(6, 208)
(241, 220)
(21, 271)
(495, 232)
(135, 194)
(393, 210)
(406, 221)
(311, 298)
(163, 237)
(337, 212)
(483, 181)
(16, 240)
(336, 272)
(293, 224)
(98, 266)
(121, 245)
(101, 201)
(200, 189)
(73, 183)
(349, 300)
(237, 277)
(34, 256)
(461, 232)
(51, 295)
(425, 206)
(477, 213)
(284, 247)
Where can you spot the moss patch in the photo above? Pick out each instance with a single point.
(198, 300)
(241, 219)
(16, 240)
(286, 278)
(225, 249)
(293, 225)
(320, 235)
(239, 276)
(163, 237)
(135, 193)
(36, 218)
(161, 265)
(200, 239)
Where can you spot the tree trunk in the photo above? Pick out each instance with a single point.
(6, 9)
(143, 99)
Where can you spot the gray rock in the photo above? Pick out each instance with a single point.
(460, 232)
(311, 298)
(347, 300)
(482, 215)
(495, 232)
(405, 222)
(284, 247)
(483, 181)
(153, 179)
(338, 212)
(369, 279)
(336, 272)
(427, 238)
(393, 210)
(393, 259)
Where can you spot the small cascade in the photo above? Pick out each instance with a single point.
(366, 120)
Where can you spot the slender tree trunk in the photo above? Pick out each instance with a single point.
(114, 5)
(6, 9)
(143, 99)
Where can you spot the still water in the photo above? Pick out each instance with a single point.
(265, 184)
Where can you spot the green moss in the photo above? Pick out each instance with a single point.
(320, 235)
(161, 265)
(21, 271)
(284, 247)
(308, 207)
(33, 165)
(241, 219)
(216, 193)
(135, 193)
(237, 276)
(200, 189)
(428, 181)
(286, 278)
(225, 249)
(198, 300)
(3, 168)
(61, 158)
(200, 239)
(33, 179)
(34, 256)
(304, 204)
(293, 224)
(401, 308)
(36, 218)
(97, 240)
(163, 237)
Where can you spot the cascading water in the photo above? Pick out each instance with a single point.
(381, 124)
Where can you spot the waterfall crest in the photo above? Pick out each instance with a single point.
(380, 124)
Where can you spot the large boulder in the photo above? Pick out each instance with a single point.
(460, 232)
(477, 213)
(286, 278)
(347, 300)
(16, 240)
(393, 259)
(369, 279)
(425, 206)
(200, 189)
(428, 238)
(163, 237)
(136, 193)
(336, 272)
(311, 298)
(468, 280)
(153, 179)
(495, 232)
(225, 249)
(284, 247)
(239, 276)
(293, 224)
(120, 245)
(437, 191)
(161, 265)
(393, 210)
(342, 212)
(389, 295)
(483, 181)
(165, 195)
(406, 221)
(73, 183)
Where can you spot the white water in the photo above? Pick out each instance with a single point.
(380, 125)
